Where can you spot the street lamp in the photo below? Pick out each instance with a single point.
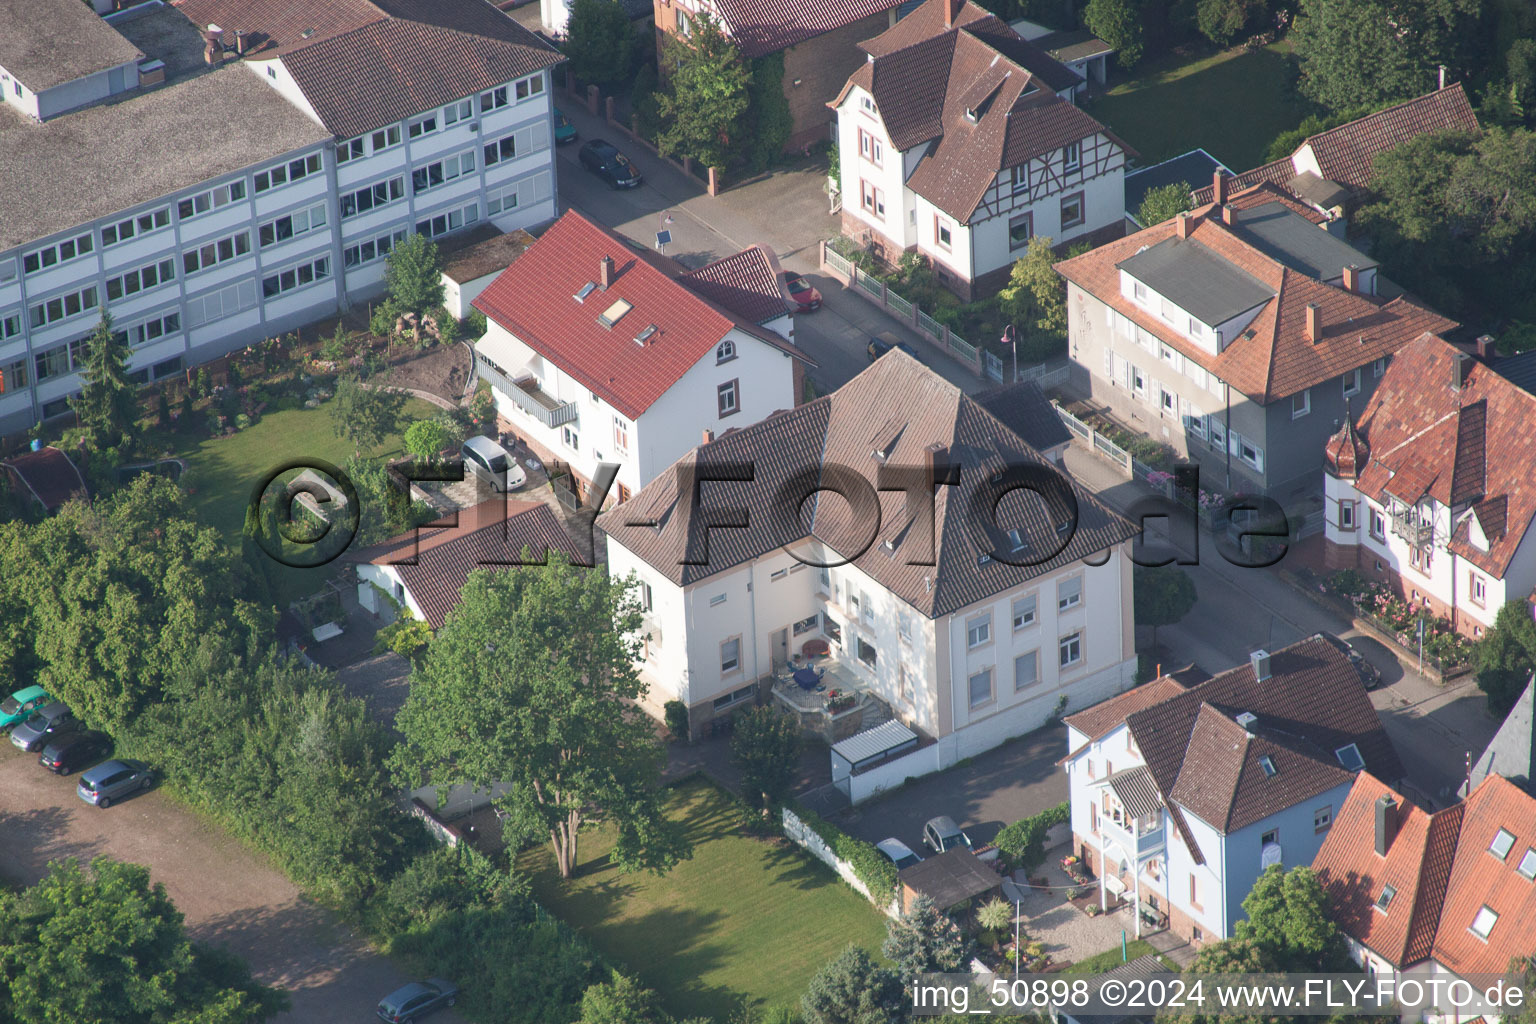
(1010, 339)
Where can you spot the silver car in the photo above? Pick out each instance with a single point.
(110, 781)
(46, 724)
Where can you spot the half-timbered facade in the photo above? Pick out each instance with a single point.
(957, 139)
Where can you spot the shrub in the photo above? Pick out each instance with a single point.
(474, 324)
(870, 866)
(242, 421)
(1023, 842)
(677, 720)
(405, 636)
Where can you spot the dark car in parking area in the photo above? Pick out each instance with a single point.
(75, 750)
(416, 1000)
(110, 781)
(883, 342)
(604, 160)
(1370, 675)
(45, 724)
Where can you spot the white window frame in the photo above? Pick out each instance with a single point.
(295, 224)
(449, 221)
(1069, 649)
(67, 306)
(978, 632)
(728, 398)
(730, 665)
(371, 249)
(1072, 157)
(385, 138)
(141, 279)
(440, 172)
(133, 227)
(570, 437)
(59, 253)
(1353, 375)
(216, 253)
(288, 173)
(377, 195)
(212, 199)
(1069, 593)
(463, 110)
(1305, 394)
(423, 125)
(292, 278)
(1483, 924)
(1025, 611)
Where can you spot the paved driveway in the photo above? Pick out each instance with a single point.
(229, 895)
(1013, 781)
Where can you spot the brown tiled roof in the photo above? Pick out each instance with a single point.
(1444, 874)
(1024, 409)
(434, 563)
(748, 283)
(49, 474)
(761, 27)
(1277, 173)
(364, 64)
(1271, 359)
(1346, 452)
(1345, 154)
(1311, 705)
(950, 878)
(896, 406)
(1475, 445)
(927, 81)
(1102, 717)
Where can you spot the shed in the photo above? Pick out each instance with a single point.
(952, 879)
(870, 747)
(48, 475)
(467, 271)
(1142, 967)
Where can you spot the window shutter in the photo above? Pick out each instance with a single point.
(1109, 364)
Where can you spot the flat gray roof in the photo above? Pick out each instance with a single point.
(1284, 235)
(1197, 280)
(94, 162)
(49, 42)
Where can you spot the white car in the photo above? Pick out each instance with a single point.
(491, 460)
(899, 852)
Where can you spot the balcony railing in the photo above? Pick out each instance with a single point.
(1416, 529)
(526, 394)
(1140, 843)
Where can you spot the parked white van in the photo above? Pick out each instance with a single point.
(491, 460)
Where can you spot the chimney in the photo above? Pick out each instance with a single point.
(949, 18)
(605, 272)
(1228, 214)
(709, 436)
(1484, 346)
(1219, 188)
(1386, 824)
(1183, 225)
(211, 45)
(1461, 367)
(1314, 323)
(932, 456)
(1260, 661)
(240, 41)
(1442, 76)
(1352, 278)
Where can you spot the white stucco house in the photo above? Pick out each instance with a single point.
(1429, 487)
(1181, 796)
(919, 604)
(598, 352)
(958, 139)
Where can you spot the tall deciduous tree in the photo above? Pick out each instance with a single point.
(104, 945)
(1163, 595)
(600, 43)
(1290, 924)
(1221, 21)
(1035, 295)
(1164, 203)
(765, 745)
(413, 274)
(108, 403)
(1118, 23)
(704, 97)
(924, 940)
(365, 414)
(530, 683)
(621, 1001)
(853, 989)
(1506, 657)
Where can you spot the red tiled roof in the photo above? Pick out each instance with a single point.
(761, 27)
(48, 474)
(534, 300)
(434, 563)
(1444, 874)
(1272, 359)
(1345, 154)
(368, 63)
(1346, 452)
(985, 93)
(748, 283)
(1476, 445)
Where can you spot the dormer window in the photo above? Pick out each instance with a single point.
(725, 351)
(1385, 899)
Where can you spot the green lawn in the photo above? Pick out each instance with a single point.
(1232, 104)
(746, 922)
(1110, 958)
(222, 470)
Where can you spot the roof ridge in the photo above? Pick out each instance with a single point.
(1454, 86)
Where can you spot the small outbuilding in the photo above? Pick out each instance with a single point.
(467, 271)
(48, 475)
(952, 880)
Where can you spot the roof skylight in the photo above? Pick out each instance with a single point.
(1349, 757)
(586, 289)
(1503, 842)
(614, 313)
(1268, 764)
(1387, 892)
(1527, 867)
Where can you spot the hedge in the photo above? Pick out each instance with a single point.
(1023, 842)
(870, 866)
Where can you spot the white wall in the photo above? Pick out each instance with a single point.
(890, 176)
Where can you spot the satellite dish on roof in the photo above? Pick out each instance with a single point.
(1269, 855)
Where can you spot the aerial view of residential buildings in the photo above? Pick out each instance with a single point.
(767, 511)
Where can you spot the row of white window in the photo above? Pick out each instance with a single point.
(1123, 373)
(1026, 670)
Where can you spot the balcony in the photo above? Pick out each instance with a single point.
(1417, 528)
(527, 395)
(1132, 837)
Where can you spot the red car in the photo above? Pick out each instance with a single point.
(802, 293)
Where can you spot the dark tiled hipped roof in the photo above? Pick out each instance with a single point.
(1476, 445)
(363, 65)
(748, 283)
(1024, 409)
(897, 408)
(1272, 358)
(487, 534)
(761, 27)
(1512, 751)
